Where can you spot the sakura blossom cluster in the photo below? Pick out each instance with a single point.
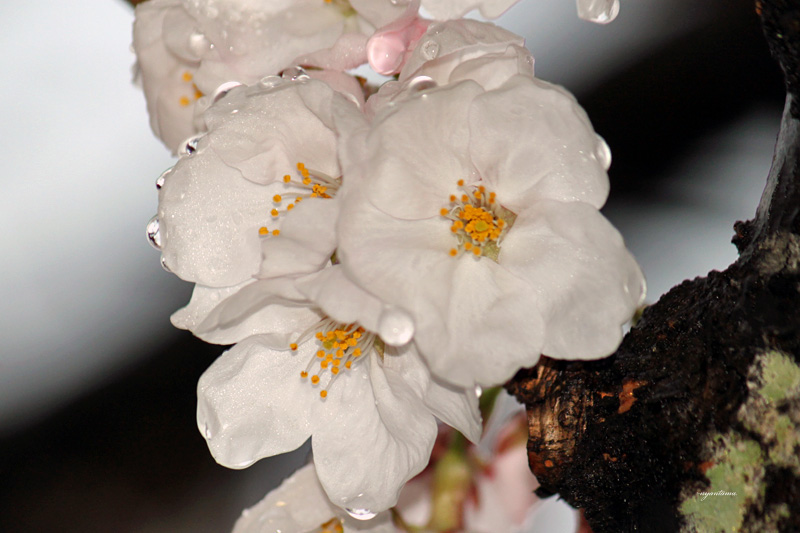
(378, 254)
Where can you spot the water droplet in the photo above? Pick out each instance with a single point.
(295, 73)
(599, 11)
(153, 233)
(361, 514)
(162, 179)
(421, 83)
(430, 49)
(190, 146)
(270, 81)
(395, 326)
(478, 391)
(164, 264)
(400, 2)
(206, 431)
(602, 152)
(199, 44)
(223, 89)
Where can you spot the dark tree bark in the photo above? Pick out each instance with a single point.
(703, 394)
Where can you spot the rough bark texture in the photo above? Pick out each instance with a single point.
(691, 400)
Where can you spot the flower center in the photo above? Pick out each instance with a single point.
(478, 222)
(196, 93)
(340, 346)
(311, 184)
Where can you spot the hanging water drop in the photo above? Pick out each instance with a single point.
(602, 153)
(153, 233)
(395, 326)
(164, 264)
(269, 82)
(295, 73)
(421, 83)
(199, 44)
(599, 11)
(223, 89)
(190, 146)
(361, 514)
(430, 49)
(162, 179)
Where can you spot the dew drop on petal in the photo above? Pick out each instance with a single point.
(599, 11)
(395, 326)
(153, 233)
(603, 153)
(164, 264)
(162, 179)
(268, 82)
(421, 83)
(190, 146)
(478, 391)
(199, 44)
(361, 514)
(295, 73)
(207, 431)
(430, 49)
(223, 89)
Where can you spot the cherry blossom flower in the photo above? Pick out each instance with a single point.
(370, 408)
(491, 240)
(246, 182)
(299, 505)
(188, 48)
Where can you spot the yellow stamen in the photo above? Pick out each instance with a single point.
(263, 230)
(183, 101)
(276, 232)
(187, 76)
(323, 393)
(303, 374)
(276, 198)
(293, 346)
(315, 379)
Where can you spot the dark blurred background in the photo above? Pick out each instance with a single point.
(97, 390)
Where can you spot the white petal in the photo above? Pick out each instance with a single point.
(372, 444)
(270, 308)
(411, 167)
(306, 241)
(455, 406)
(552, 154)
(449, 9)
(209, 218)
(576, 265)
(252, 403)
(341, 299)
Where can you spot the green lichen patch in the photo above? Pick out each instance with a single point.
(779, 377)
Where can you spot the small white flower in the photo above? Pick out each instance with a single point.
(488, 232)
(269, 156)
(370, 409)
(299, 505)
(188, 48)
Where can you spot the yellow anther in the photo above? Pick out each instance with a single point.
(337, 362)
(290, 207)
(348, 364)
(319, 335)
(357, 334)
(306, 181)
(197, 93)
(453, 252)
(335, 370)
(323, 393)
(468, 246)
(293, 346)
(298, 199)
(476, 251)
(315, 379)
(183, 101)
(321, 353)
(303, 374)
(276, 198)
(276, 232)
(357, 352)
(187, 76)
(300, 166)
(287, 178)
(452, 197)
(482, 189)
(464, 198)
(460, 183)
(453, 228)
(263, 230)
(324, 364)
(274, 212)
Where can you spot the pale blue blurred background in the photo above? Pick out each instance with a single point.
(83, 298)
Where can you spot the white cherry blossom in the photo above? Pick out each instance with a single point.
(369, 408)
(299, 505)
(487, 232)
(188, 48)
